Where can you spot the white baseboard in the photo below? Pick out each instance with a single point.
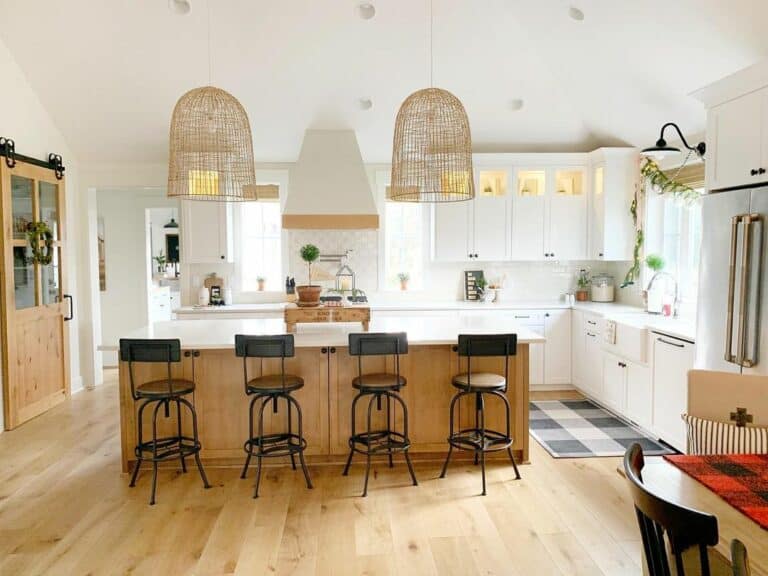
(550, 387)
(76, 385)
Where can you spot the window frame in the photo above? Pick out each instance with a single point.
(281, 178)
(383, 179)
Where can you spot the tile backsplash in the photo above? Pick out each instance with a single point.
(363, 258)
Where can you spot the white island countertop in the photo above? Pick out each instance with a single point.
(220, 333)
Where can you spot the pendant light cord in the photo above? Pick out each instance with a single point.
(210, 66)
(431, 57)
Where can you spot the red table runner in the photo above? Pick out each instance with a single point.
(739, 479)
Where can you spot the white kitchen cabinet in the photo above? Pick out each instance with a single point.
(593, 356)
(614, 382)
(615, 178)
(672, 359)
(476, 230)
(557, 350)
(639, 404)
(534, 321)
(206, 232)
(549, 214)
(737, 150)
(578, 341)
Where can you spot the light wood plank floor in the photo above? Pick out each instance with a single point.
(66, 509)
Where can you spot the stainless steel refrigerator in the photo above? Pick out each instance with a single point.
(732, 325)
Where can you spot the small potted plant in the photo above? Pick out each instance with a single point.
(403, 277)
(309, 295)
(261, 280)
(582, 286)
(480, 285)
(161, 260)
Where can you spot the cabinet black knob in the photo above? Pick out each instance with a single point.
(333, 349)
(753, 172)
(552, 254)
(601, 254)
(324, 350)
(475, 255)
(761, 170)
(222, 256)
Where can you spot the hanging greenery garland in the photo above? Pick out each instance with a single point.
(656, 179)
(37, 233)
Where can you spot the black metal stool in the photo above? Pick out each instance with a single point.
(377, 386)
(269, 389)
(161, 393)
(479, 439)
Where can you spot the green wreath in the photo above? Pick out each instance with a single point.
(38, 232)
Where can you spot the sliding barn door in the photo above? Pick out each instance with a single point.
(34, 307)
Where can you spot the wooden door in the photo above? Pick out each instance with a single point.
(34, 308)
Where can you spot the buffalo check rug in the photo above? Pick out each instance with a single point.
(581, 429)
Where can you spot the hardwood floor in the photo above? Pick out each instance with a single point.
(66, 509)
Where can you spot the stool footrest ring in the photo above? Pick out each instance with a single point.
(478, 440)
(169, 447)
(275, 445)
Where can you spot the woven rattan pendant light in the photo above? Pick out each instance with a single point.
(432, 148)
(211, 149)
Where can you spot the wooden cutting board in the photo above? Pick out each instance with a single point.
(213, 281)
(295, 315)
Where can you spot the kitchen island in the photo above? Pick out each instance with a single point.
(322, 359)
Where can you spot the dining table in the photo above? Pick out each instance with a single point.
(671, 483)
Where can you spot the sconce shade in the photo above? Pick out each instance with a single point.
(432, 150)
(211, 149)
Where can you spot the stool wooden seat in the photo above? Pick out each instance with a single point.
(478, 438)
(379, 388)
(161, 393)
(269, 389)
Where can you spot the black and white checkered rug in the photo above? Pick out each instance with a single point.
(581, 429)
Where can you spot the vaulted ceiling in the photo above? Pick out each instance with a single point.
(110, 72)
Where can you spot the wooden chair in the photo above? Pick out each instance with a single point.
(684, 528)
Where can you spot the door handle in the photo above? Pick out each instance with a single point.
(670, 343)
(750, 221)
(71, 308)
(729, 357)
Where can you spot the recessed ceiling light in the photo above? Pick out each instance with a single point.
(365, 103)
(516, 104)
(575, 14)
(366, 10)
(179, 7)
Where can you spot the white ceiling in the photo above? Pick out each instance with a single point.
(110, 71)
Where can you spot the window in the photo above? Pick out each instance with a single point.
(402, 238)
(674, 231)
(258, 240)
(403, 244)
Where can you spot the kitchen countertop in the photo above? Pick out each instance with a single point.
(675, 327)
(220, 333)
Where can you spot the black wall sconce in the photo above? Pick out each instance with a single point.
(662, 149)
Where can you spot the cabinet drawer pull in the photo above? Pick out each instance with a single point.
(591, 322)
(591, 335)
(516, 316)
(675, 344)
(761, 170)
(753, 172)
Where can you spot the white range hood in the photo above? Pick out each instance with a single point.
(329, 187)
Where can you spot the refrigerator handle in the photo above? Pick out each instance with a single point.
(729, 357)
(756, 219)
(746, 252)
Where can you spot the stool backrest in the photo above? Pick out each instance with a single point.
(150, 351)
(496, 345)
(270, 346)
(378, 344)
(684, 527)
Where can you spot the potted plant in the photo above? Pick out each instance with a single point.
(654, 293)
(160, 259)
(403, 277)
(582, 286)
(261, 280)
(480, 285)
(309, 295)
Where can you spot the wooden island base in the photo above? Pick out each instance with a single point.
(326, 400)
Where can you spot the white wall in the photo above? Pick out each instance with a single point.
(24, 119)
(124, 303)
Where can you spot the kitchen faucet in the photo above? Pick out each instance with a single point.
(676, 304)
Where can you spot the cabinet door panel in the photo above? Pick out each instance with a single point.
(614, 382)
(568, 215)
(491, 228)
(557, 360)
(528, 215)
(639, 394)
(736, 138)
(205, 232)
(597, 213)
(451, 232)
(577, 348)
(593, 362)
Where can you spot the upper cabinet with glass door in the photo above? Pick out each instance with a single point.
(615, 180)
(550, 214)
(491, 215)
